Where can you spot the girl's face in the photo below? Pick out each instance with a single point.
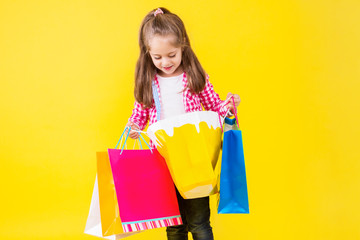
(165, 55)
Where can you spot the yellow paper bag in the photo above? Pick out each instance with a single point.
(109, 208)
(93, 222)
(190, 144)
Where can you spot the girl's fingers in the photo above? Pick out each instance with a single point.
(236, 101)
(134, 135)
(230, 106)
(133, 126)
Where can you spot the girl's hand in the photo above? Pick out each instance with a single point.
(133, 134)
(230, 104)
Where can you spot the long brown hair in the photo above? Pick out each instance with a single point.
(164, 24)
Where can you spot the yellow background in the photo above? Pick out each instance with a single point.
(66, 71)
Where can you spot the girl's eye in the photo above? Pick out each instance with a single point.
(157, 58)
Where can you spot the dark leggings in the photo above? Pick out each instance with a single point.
(195, 214)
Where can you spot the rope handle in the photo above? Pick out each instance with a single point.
(221, 123)
(121, 137)
(235, 112)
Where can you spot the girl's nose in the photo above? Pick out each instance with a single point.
(166, 62)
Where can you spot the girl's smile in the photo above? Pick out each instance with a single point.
(167, 68)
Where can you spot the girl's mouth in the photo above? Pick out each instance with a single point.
(167, 68)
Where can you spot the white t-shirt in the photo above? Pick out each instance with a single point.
(172, 102)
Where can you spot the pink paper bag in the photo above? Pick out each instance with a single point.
(145, 190)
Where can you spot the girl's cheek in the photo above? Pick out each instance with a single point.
(157, 63)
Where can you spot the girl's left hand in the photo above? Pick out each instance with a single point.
(230, 104)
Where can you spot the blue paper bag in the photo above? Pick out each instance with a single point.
(233, 197)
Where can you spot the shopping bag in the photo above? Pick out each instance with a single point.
(93, 223)
(233, 197)
(145, 191)
(190, 143)
(109, 209)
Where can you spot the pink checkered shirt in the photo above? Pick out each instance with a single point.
(208, 98)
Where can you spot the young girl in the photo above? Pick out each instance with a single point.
(167, 61)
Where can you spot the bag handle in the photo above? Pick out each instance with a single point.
(122, 136)
(144, 142)
(221, 123)
(235, 113)
(129, 127)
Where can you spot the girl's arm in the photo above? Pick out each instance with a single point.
(138, 118)
(211, 100)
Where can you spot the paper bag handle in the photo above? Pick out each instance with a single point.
(235, 112)
(129, 127)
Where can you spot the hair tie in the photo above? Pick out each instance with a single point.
(158, 11)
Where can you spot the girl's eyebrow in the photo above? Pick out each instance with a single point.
(165, 54)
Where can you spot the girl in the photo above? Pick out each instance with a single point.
(167, 62)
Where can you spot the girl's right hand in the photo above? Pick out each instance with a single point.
(133, 134)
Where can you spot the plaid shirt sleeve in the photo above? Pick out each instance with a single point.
(211, 100)
(140, 115)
